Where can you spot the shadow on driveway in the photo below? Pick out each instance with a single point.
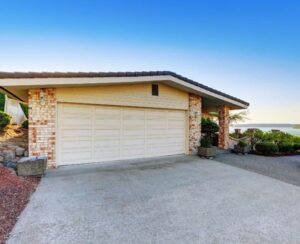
(285, 168)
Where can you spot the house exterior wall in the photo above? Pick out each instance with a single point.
(42, 123)
(137, 95)
(195, 112)
(223, 127)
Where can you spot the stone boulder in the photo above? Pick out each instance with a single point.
(10, 164)
(9, 154)
(32, 166)
(20, 151)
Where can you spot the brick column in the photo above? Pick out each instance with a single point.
(195, 110)
(223, 127)
(42, 119)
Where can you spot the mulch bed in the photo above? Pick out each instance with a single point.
(15, 192)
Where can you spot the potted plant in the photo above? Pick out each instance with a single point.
(206, 149)
(242, 147)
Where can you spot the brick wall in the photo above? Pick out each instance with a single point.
(223, 127)
(42, 119)
(195, 111)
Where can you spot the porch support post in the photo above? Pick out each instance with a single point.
(223, 127)
(195, 111)
(42, 123)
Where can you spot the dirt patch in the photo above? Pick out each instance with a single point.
(15, 192)
(14, 135)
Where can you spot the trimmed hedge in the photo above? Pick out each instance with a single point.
(5, 119)
(286, 147)
(296, 146)
(267, 148)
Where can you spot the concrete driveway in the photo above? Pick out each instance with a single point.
(167, 200)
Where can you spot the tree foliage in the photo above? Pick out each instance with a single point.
(233, 116)
(2, 101)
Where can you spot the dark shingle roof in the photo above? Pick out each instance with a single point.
(32, 75)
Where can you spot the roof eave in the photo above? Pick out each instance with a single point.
(177, 80)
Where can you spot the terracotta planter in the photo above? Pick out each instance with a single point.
(207, 152)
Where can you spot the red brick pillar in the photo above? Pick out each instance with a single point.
(42, 122)
(223, 127)
(195, 110)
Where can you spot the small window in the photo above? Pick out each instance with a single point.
(154, 90)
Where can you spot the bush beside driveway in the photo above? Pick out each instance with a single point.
(167, 200)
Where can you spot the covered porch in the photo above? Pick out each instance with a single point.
(223, 121)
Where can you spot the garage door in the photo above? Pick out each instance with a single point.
(102, 133)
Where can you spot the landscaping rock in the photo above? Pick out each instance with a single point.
(10, 164)
(26, 154)
(20, 151)
(9, 154)
(14, 195)
(1, 159)
(32, 166)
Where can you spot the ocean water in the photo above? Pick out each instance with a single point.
(290, 130)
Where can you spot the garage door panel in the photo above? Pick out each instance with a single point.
(155, 126)
(133, 142)
(104, 143)
(78, 133)
(107, 125)
(153, 115)
(101, 133)
(107, 133)
(107, 154)
(76, 123)
(133, 133)
(76, 110)
(130, 152)
(77, 157)
(78, 145)
(174, 131)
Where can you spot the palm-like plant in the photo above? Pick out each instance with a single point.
(234, 117)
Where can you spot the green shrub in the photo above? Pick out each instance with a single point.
(210, 129)
(208, 126)
(277, 136)
(296, 146)
(258, 134)
(286, 147)
(267, 148)
(2, 101)
(205, 142)
(234, 135)
(5, 119)
(296, 139)
(25, 109)
(25, 124)
(243, 144)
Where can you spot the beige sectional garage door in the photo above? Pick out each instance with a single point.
(102, 133)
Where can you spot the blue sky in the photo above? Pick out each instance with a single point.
(247, 48)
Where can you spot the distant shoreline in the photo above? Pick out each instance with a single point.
(288, 128)
(295, 126)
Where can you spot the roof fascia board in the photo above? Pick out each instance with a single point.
(57, 82)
